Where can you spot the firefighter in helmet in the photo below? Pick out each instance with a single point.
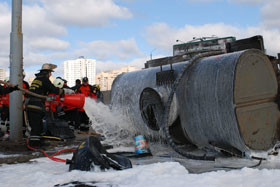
(35, 106)
(69, 114)
(4, 99)
(4, 109)
(87, 90)
(77, 85)
(98, 94)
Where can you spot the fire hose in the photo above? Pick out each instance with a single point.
(24, 90)
(53, 158)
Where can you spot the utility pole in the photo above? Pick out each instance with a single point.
(16, 69)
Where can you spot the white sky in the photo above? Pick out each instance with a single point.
(125, 32)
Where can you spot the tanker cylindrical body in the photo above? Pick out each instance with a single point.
(227, 100)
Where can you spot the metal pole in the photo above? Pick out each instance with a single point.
(16, 68)
(151, 54)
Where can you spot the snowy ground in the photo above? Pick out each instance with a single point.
(44, 172)
(8, 155)
(153, 172)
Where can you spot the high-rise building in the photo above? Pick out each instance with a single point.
(79, 68)
(105, 79)
(2, 74)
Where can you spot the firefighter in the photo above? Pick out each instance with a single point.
(64, 82)
(97, 93)
(77, 85)
(4, 110)
(87, 90)
(35, 106)
(25, 84)
(8, 89)
(58, 82)
(4, 92)
(69, 114)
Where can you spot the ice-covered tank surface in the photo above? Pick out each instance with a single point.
(204, 99)
(203, 77)
(208, 97)
(127, 89)
(209, 114)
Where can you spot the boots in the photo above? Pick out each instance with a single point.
(84, 127)
(37, 142)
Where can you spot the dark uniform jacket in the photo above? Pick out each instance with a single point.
(42, 85)
(99, 96)
(4, 91)
(76, 87)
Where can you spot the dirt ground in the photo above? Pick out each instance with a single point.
(17, 152)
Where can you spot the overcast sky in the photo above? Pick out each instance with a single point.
(126, 32)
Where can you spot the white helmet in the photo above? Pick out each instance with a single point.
(58, 83)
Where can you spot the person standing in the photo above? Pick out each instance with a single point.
(4, 100)
(25, 84)
(64, 82)
(97, 93)
(77, 85)
(87, 90)
(35, 106)
(4, 109)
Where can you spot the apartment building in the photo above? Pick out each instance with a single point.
(79, 68)
(105, 79)
(2, 74)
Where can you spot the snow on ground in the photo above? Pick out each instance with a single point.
(44, 172)
(8, 155)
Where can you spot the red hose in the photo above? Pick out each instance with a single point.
(53, 158)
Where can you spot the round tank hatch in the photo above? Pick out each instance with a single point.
(151, 108)
(255, 89)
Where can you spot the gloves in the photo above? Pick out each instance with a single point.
(68, 91)
(14, 88)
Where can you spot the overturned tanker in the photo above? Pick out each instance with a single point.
(225, 101)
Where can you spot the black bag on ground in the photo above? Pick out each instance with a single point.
(91, 153)
(59, 128)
